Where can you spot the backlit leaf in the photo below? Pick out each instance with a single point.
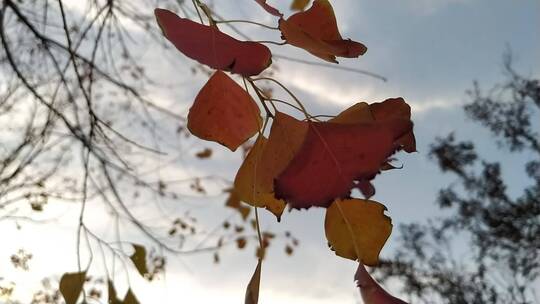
(299, 5)
(209, 46)
(270, 9)
(316, 31)
(285, 139)
(233, 201)
(71, 286)
(224, 112)
(334, 158)
(252, 291)
(248, 187)
(389, 109)
(371, 291)
(357, 229)
(139, 260)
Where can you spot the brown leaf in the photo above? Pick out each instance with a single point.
(71, 286)
(371, 291)
(139, 260)
(252, 291)
(270, 9)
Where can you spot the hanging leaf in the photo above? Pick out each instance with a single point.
(392, 108)
(252, 291)
(395, 108)
(285, 139)
(130, 298)
(357, 229)
(112, 296)
(139, 260)
(233, 201)
(270, 9)
(71, 286)
(299, 5)
(316, 31)
(248, 187)
(209, 46)
(334, 158)
(371, 291)
(224, 112)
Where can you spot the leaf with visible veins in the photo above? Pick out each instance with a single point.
(224, 112)
(357, 229)
(334, 158)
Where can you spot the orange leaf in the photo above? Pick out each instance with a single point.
(334, 158)
(209, 46)
(357, 229)
(270, 9)
(299, 5)
(224, 112)
(248, 187)
(316, 31)
(285, 139)
(371, 291)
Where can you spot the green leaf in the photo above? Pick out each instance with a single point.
(252, 291)
(71, 286)
(139, 259)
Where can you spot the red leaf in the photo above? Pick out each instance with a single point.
(209, 46)
(333, 156)
(224, 112)
(371, 291)
(389, 109)
(270, 9)
(316, 31)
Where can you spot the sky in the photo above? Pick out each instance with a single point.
(430, 50)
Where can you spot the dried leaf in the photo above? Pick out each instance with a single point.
(357, 229)
(248, 187)
(224, 112)
(139, 260)
(112, 296)
(206, 153)
(71, 286)
(316, 31)
(270, 9)
(252, 291)
(334, 158)
(209, 46)
(371, 291)
(299, 5)
(130, 298)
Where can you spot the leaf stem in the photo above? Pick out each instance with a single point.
(248, 21)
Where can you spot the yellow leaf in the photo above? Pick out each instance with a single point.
(248, 187)
(357, 229)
